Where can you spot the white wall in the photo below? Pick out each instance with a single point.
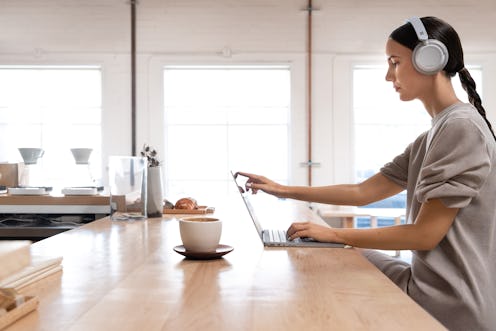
(196, 31)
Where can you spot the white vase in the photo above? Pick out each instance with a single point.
(155, 196)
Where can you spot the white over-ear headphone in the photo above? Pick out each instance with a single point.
(430, 55)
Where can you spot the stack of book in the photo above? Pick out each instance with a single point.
(14, 256)
(20, 269)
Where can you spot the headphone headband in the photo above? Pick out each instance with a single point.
(419, 28)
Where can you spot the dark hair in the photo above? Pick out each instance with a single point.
(442, 31)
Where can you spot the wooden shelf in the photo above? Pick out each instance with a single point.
(54, 200)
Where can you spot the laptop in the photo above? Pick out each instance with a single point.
(276, 237)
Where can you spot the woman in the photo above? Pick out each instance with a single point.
(449, 173)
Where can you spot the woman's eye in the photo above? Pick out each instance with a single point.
(392, 63)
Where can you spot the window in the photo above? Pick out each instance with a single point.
(55, 108)
(385, 125)
(222, 118)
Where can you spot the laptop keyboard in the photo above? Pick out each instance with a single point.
(280, 237)
(277, 236)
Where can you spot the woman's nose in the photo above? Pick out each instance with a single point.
(389, 76)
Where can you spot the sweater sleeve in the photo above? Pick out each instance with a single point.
(397, 170)
(455, 166)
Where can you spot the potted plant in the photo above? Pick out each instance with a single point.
(154, 182)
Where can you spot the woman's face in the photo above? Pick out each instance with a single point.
(408, 82)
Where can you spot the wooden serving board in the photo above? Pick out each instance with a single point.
(18, 312)
(200, 210)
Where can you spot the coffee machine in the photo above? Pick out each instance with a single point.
(31, 174)
(82, 181)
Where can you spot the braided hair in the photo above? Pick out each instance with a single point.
(468, 85)
(442, 31)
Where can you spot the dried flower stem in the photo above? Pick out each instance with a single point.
(151, 156)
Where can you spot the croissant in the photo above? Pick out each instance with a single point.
(186, 203)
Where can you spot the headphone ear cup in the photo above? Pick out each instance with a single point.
(430, 56)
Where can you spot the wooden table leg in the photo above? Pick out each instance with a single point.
(373, 221)
(348, 222)
(397, 221)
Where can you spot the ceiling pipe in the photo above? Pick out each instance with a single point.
(133, 4)
(309, 163)
(309, 94)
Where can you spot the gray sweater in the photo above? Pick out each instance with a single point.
(454, 161)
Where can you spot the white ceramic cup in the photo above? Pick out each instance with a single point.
(200, 234)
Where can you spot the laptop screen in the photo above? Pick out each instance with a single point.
(245, 195)
(283, 213)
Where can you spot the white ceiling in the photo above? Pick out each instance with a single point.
(339, 26)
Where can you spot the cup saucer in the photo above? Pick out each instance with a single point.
(220, 251)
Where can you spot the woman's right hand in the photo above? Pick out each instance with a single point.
(257, 182)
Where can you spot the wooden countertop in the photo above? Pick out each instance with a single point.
(124, 275)
(348, 211)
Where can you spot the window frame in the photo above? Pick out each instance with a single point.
(52, 175)
(342, 90)
(154, 128)
(113, 89)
